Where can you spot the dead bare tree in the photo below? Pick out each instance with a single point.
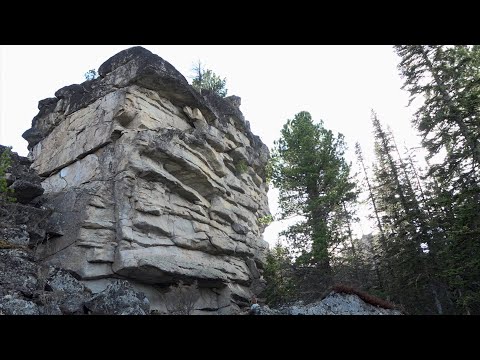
(182, 298)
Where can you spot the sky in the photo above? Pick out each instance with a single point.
(337, 84)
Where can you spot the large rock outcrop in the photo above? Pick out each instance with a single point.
(153, 182)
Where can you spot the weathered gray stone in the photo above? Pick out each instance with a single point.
(63, 281)
(141, 170)
(33, 220)
(163, 264)
(258, 285)
(25, 177)
(10, 305)
(253, 268)
(119, 298)
(15, 235)
(27, 286)
(73, 291)
(50, 309)
(235, 100)
(25, 191)
(240, 229)
(17, 272)
(338, 304)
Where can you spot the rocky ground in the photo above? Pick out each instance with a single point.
(335, 303)
(29, 288)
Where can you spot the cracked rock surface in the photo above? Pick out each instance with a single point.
(152, 182)
(27, 285)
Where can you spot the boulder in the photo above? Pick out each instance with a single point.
(119, 298)
(10, 305)
(73, 292)
(25, 191)
(18, 273)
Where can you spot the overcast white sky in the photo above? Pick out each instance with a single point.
(338, 84)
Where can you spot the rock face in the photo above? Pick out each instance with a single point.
(28, 287)
(119, 298)
(22, 179)
(153, 182)
(22, 222)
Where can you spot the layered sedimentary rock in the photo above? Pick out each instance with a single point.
(153, 182)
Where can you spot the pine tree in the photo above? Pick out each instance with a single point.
(382, 239)
(207, 79)
(348, 216)
(410, 166)
(401, 219)
(278, 274)
(312, 176)
(448, 78)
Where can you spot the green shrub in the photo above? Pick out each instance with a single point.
(241, 167)
(265, 220)
(207, 79)
(6, 193)
(279, 276)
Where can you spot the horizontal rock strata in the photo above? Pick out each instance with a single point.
(153, 182)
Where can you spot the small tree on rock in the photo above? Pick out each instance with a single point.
(207, 79)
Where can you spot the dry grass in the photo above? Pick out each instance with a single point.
(182, 298)
(6, 245)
